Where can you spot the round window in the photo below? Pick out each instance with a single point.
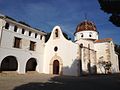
(55, 48)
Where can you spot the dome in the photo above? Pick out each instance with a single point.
(86, 26)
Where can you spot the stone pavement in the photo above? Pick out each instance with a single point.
(36, 81)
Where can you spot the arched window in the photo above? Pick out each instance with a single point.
(7, 26)
(81, 34)
(23, 31)
(81, 45)
(36, 35)
(30, 33)
(56, 33)
(90, 34)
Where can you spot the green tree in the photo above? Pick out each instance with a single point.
(111, 7)
(117, 50)
(106, 65)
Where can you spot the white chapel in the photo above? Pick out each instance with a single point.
(23, 49)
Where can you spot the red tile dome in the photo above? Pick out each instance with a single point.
(86, 26)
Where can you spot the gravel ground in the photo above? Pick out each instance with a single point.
(36, 81)
(8, 81)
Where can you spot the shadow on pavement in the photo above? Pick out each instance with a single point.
(101, 82)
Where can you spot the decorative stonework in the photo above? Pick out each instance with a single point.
(55, 57)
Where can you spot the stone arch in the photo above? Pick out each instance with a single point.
(9, 63)
(31, 64)
(60, 64)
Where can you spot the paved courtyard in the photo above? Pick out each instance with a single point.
(36, 81)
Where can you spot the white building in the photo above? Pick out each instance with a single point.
(20, 46)
(23, 48)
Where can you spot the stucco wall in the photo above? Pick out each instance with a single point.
(105, 52)
(22, 54)
(67, 52)
(85, 35)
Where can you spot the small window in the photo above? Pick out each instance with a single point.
(41, 37)
(90, 35)
(56, 33)
(55, 48)
(81, 34)
(36, 35)
(15, 28)
(23, 31)
(17, 42)
(32, 45)
(81, 45)
(30, 33)
(7, 26)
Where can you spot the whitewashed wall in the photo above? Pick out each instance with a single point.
(94, 35)
(22, 54)
(105, 52)
(67, 51)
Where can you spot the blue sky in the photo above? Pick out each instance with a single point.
(45, 14)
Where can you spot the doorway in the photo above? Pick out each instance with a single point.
(55, 67)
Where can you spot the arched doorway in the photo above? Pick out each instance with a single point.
(9, 63)
(31, 64)
(55, 67)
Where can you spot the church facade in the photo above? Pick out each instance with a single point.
(23, 49)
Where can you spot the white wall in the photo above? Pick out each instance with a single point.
(67, 51)
(94, 35)
(114, 58)
(105, 52)
(22, 54)
(88, 54)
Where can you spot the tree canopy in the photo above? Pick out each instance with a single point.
(117, 50)
(111, 7)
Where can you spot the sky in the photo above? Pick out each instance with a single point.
(45, 14)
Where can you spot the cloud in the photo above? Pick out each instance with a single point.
(45, 14)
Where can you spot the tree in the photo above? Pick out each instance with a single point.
(117, 50)
(106, 65)
(47, 36)
(111, 7)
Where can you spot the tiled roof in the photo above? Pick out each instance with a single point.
(103, 40)
(86, 26)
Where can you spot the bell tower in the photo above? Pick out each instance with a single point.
(86, 30)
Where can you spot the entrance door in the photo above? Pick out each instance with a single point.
(56, 67)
